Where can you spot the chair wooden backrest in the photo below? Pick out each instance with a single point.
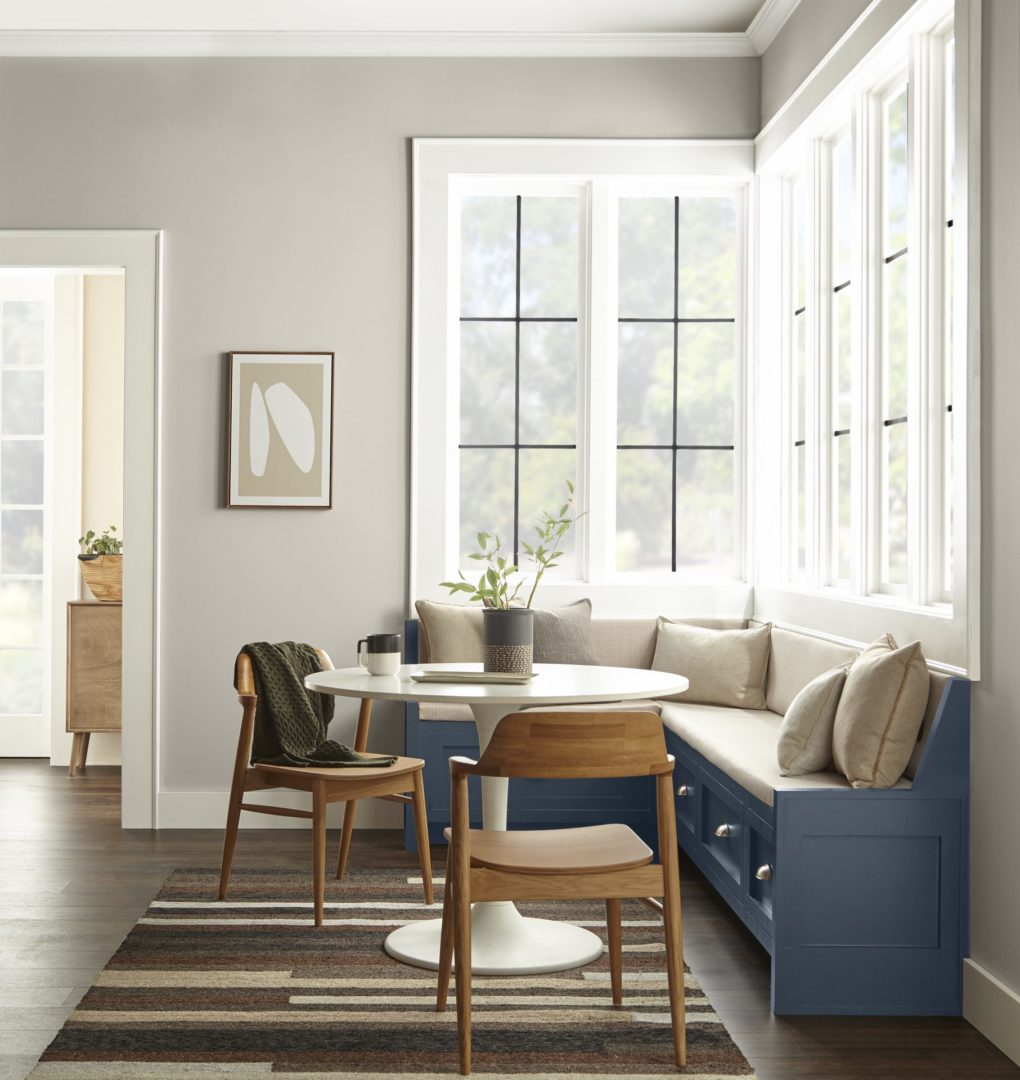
(561, 745)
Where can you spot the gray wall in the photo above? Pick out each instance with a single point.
(995, 742)
(282, 186)
(810, 32)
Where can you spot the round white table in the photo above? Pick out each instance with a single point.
(503, 942)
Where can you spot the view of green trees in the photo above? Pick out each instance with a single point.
(694, 279)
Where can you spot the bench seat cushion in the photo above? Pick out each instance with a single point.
(742, 744)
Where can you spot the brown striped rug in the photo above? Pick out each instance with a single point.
(250, 989)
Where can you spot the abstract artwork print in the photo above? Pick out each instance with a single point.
(280, 429)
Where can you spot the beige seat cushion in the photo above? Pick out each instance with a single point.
(795, 660)
(742, 743)
(880, 713)
(724, 667)
(805, 735)
(449, 633)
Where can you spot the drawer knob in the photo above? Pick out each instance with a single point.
(684, 790)
(724, 830)
(764, 873)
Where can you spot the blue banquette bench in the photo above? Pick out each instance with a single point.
(859, 896)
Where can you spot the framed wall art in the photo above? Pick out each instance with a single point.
(280, 429)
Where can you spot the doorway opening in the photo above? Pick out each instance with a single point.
(79, 363)
(61, 474)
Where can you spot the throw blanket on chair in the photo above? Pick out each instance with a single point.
(291, 723)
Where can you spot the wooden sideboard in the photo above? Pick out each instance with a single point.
(93, 673)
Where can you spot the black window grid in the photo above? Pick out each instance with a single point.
(517, 319)
(676, 321)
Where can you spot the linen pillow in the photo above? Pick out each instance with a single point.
(880, 713)
(724, 667)
(805, 735)
(449, 633)
(563, 635)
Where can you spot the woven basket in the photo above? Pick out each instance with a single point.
(103, 575)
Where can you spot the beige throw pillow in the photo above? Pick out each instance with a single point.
(724, 667)
(880, 713)
(449, 633)
(805, 736)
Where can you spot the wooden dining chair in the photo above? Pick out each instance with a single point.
(607, 862)
(400, 782)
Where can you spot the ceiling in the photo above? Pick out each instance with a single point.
(390, 27)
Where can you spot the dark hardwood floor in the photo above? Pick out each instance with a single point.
(72, 883)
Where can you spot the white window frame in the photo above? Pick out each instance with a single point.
(605, 169)
(948, 630)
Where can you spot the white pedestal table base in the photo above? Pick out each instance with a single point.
(503, 941)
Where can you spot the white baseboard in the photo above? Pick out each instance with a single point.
(208, 810)
(992, 1007)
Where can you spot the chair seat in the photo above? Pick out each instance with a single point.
(593, 849)
(347, 772)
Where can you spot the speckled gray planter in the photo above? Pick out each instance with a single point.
(508, 640)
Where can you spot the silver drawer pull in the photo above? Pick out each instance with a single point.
(764, 873)
(684, 790)
(724, 830)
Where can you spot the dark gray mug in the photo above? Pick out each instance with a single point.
(381, 654)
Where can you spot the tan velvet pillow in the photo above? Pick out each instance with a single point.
(449, 633)
(880, 713)
(724, 667)
(805, 735)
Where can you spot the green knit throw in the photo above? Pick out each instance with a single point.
(291, 724)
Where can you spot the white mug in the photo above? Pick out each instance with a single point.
(379, 654)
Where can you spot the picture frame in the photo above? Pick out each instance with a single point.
(280, 430)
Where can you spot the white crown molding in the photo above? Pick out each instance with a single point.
(177, 43)
(768, 22)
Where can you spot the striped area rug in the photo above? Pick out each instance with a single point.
(250, 989)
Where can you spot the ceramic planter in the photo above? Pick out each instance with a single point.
(507, 639)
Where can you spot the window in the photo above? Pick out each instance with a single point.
(893, 265)
(841, 307)
(676, 385)
(24, 344)
(842, 215)
(518, 364)
(866, 236)
(580, 317)
(798, 381)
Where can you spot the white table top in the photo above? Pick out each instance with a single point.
(553, 684)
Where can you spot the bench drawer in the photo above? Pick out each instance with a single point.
(721, 829)
(761, 867)
(686, 784)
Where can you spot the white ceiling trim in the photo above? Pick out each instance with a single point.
(768, 22)
(175, 43)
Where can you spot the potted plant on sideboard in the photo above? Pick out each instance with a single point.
(101, 561)
(507, 621)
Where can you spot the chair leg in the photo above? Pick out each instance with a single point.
(319, 849)
(445, 941)
(230, 840)
(421, 830)
(462, 952)
(614, 933)
(675, 965)
(350, 809)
